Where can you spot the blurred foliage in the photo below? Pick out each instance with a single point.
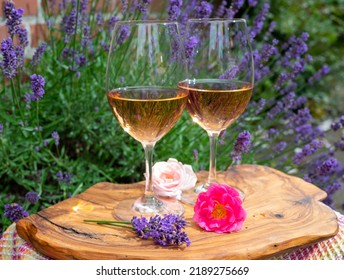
(323, 20)
(94, 148)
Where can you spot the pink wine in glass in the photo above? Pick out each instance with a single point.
(147, 113)
(214, 104)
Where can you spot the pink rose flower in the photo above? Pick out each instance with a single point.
(219, 209)
(172, 177)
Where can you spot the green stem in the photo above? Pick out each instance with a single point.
(51, 37)
(122, 224)
(15, 100)
(37, 118)
(75, 31)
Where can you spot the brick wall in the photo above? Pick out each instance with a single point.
(34, 23)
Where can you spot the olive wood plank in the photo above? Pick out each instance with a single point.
(284, 213)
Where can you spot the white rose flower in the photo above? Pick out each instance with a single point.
(172, 177)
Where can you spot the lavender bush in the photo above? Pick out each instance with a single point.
(58, 136)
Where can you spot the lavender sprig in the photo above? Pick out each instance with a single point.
(15, 212)
(165, 230)
(242, 145)
(9, 62)
(13, 17)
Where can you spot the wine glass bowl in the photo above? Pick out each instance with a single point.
(145, 62)
(147, 113)
(209, 104)
(220, 80)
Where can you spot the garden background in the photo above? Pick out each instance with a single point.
(58, 136)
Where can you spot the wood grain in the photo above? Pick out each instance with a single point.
(284, 212)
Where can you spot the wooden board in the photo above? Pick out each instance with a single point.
(284, 212)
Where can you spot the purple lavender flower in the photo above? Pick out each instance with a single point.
(303, 116)
(1, 128)
(15, 212)
(341, 119)
(335, 126)
(124, 33)
(99, 19)
(68, 24)
(252, 3)
(59, 176)
(234, 8)
(259, 20)
(37, 86)
(67, 178)
(22, 35)
(80, 59)
(296, 47)
(9, 62)
(83, 6)
(268, 50)
(64, 177)
(13, 17)
(45, 142)
(111, 23)
(190, 47)
(281, 80)
(27, 100)
(242, 145)
(221, 9)
(280, 147)
(260, 106)
(165, 231)
(56, 137)
(272, 28)
(195, 154)
(174, 9)
(298, 67)
(276, 110)
(32, 197)
(222, 137)
(272, 133)
(299, 102)
(203, 10)
(288, 100)
(324, 70)
(340, 144)
(332, 188)
(142, 6)
(19, 50)
(230, 74)
(38, 54)
(328, 167)
(307, 150)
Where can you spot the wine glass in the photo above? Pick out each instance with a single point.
(220, 80)
(145, 62)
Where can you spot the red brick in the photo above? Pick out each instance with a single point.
(39, 32)
(30, 7)
(3, 32)
(100, 3)
(157, 6)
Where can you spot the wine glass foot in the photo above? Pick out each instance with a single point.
(190, 196)
(126, 209)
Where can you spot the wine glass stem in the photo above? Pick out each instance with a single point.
(213, 139)
(148, 148)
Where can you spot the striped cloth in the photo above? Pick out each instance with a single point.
(13, 247)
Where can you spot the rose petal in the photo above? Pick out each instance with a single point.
(171, 177)
(228, 199)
